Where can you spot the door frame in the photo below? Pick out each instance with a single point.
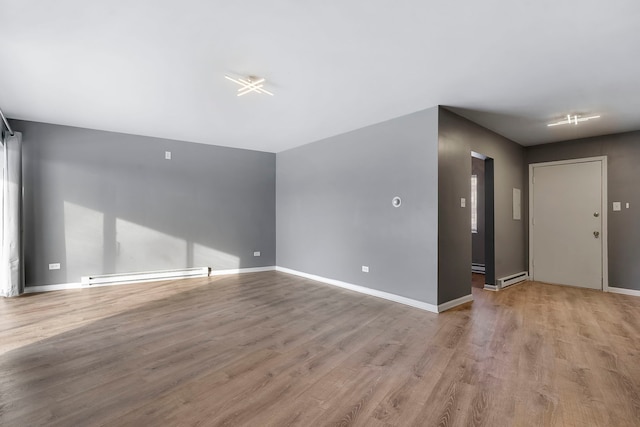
(605, 224)
(489, 220)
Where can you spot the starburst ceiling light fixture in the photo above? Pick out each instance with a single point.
(250, 84)
(575, 119)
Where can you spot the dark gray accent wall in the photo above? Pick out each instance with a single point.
(334, 211)
(457, 138)
(101, 202)
(477, 239)
(623, 157)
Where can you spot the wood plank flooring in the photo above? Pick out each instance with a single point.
(270, 349)
(477, 280)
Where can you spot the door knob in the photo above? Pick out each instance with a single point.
(596, 234)
(596, 214)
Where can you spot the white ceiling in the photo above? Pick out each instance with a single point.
(156, 67)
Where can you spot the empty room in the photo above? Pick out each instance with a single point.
(286, 213)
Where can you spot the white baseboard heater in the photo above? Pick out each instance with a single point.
(103, 279)
(512, 279)
(477, 268)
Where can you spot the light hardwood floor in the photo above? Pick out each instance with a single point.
(273, 349)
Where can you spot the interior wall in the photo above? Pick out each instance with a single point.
(623, 156)
(334, 211)
(457, 138)
(477, 239)
(101, 202)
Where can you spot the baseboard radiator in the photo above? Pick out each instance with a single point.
(144, 276)
(512, 279)
(477, 268)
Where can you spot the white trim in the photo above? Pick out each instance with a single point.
(241, 270)
(64, 286)
(360, 289)
(605, 227)
(623, 291)
(478, 155)
(363, 290)
(454, 303)
(49, 288)
(604, 210)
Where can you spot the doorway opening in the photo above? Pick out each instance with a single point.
(482, 222)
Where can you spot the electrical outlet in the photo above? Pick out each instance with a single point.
(54, 266)
(256, 253)
(365, 268)
(167, 155)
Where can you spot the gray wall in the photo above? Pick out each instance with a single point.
(102, 202)
(623, 158)
(457, 138)
(334, 211)
(477, 239)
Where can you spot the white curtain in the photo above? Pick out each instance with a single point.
(11, 272)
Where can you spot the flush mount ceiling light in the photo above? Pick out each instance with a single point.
(250, 84)
(575, 119)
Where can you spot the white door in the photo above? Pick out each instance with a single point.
(566, 223)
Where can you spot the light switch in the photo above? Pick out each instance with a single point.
(463, 202)
(167, 155)
(627, 205)
(616, 206)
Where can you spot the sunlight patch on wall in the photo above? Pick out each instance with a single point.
(217, 260)
(84, 241)
(140, 248)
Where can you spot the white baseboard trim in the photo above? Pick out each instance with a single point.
(49, 288)
(363, 290)
(624, 291)
(241, 270)
(63, 286)
(454, 303)
(356, 288)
